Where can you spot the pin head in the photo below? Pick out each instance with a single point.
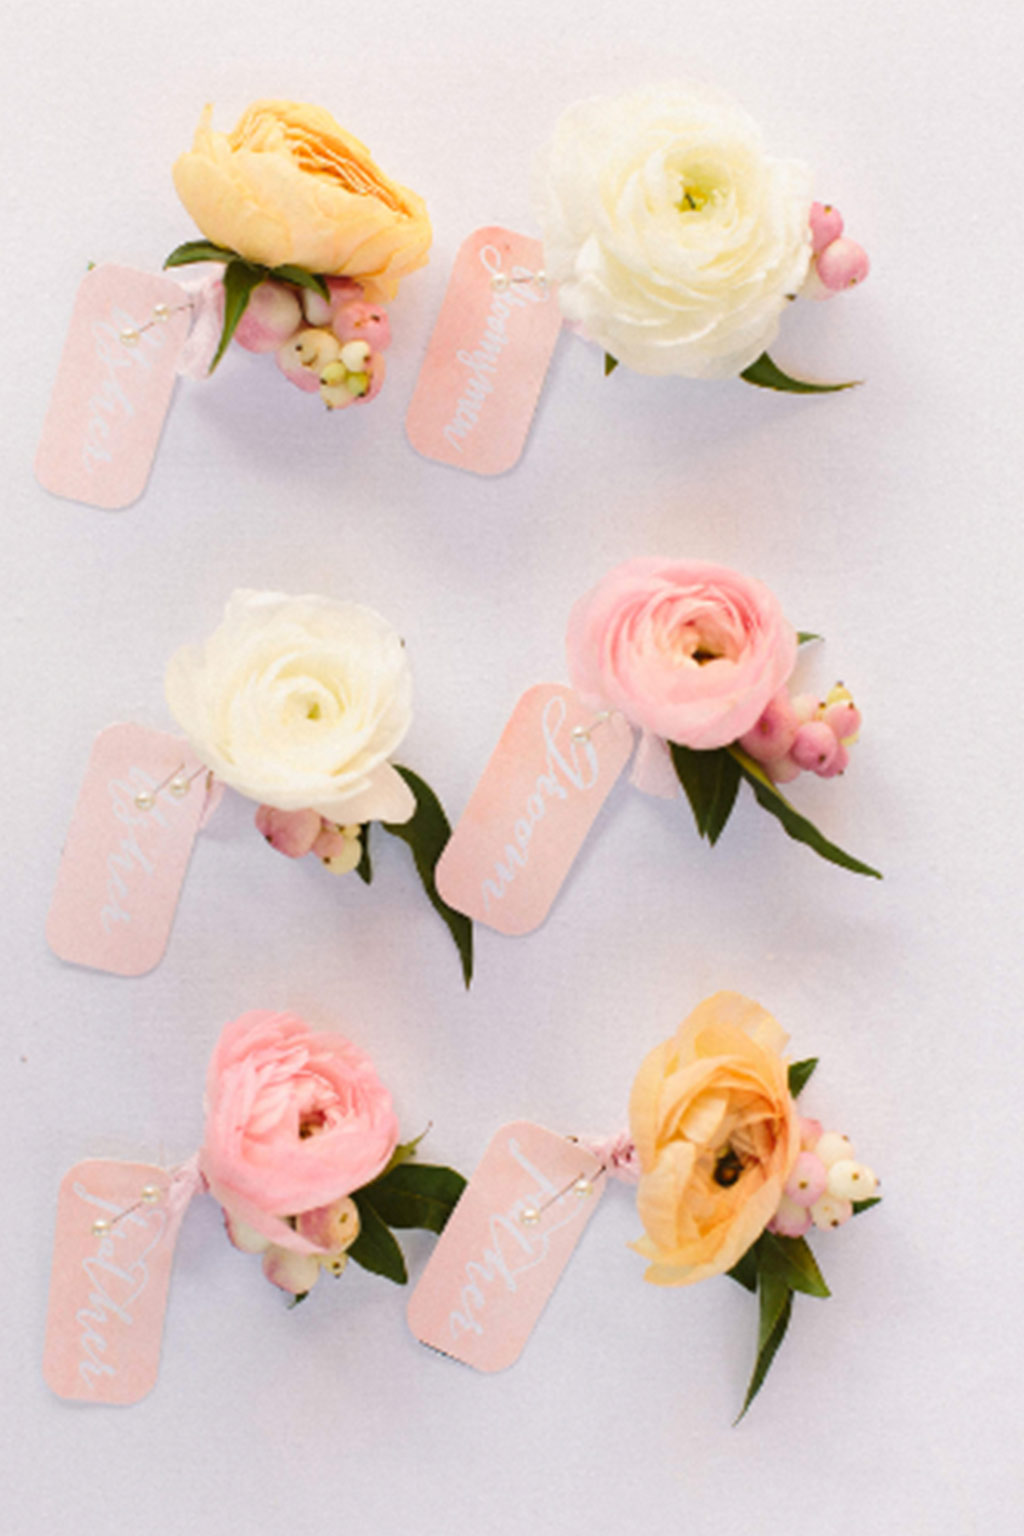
(144, 800)
(529, 1216)
(129, 336)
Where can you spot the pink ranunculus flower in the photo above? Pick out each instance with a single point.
(689, 651)
(295, 1121)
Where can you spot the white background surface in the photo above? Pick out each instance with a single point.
(887, 518)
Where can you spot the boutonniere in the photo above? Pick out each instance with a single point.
(677, 242)
(699, 658)
(300, 1149)
(730, 1175)
(300, 703)
(311, 238)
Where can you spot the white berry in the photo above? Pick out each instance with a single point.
(832, 1147)
(830, 1212)
(848, 1180)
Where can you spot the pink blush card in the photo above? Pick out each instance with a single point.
(123, 867)
(488, 357)
(113, 386)
(108, 1289)
(492, 1271)
(527, 819)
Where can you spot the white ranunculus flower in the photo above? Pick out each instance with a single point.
(297, 702)
(675, 239)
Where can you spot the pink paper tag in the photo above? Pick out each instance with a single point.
(110, 398)
(491, 1273)
(108, 1291)
(528, 816)
(485, 365)
(123, 866)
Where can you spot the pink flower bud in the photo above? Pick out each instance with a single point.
(808, 1180)
(814, 747)
(272, 315)
(843, 264)
(790, 1220)
(773, 734)
(358, 321)
(294, 1272)
(330, 843)
(826, 225)
(292, 833)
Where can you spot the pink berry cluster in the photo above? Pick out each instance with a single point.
(296, 833)
(825, 1181)
(837, 262)
(804, 734)
(333, 346)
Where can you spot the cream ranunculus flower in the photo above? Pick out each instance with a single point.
(297, 702)
(674, 238)
(289, 185)
(716, 1133)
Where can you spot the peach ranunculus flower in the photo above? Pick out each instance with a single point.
(717, 1133)
(295, 1121)
(289, 186)
(689, 651)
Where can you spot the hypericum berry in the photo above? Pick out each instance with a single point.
(292, 833)
(359, 321)
(339, 853)
(805, 707)
(826, 225)
(848, 1180)
(807, 1182)
(814, 747)
(843, 720)
(772, 736)
(833, 1147)
(790, 1219)
(354, 355)
(843, 264)
(811, 1132)
(271, 316)
(830, 1211)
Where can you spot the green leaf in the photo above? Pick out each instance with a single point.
(610, 364)
(416, 1195)
(804, 636)
(239, 281)
(427, 834)
(402, 1153)
(300, 278)
(776, 1308)
(865, 1205)
(744, 1271)
(364, 869)
(294, 1300)
(764, 373)
(800, 1074)
(790, 1260)
(711, 780)
(199, 250)
(797, 826)
(375, 1248)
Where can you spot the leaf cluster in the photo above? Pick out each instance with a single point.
(711, 781)
(407, 1194)
(241, 277)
